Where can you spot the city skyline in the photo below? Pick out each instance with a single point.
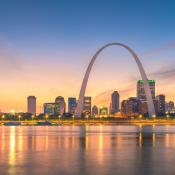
(133, 105)
(46, 61)
(106, 98)
(87, 87)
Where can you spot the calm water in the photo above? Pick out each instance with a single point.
(87, 150)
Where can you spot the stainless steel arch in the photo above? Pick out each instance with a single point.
(151, 109)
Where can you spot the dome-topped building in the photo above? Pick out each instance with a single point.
(60, 105)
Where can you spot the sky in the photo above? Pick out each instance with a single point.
(45, 48)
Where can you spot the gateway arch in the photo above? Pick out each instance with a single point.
(150, 104)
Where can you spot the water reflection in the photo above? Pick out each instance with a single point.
(87, 149)
(12, 145)
(146, 135)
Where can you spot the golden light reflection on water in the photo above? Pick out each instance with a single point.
(154, 135)
(148, 136)
(86, 137)
(140, 139)
(101, 141)
(20, 139)
(71, 143)
(3, 140)
(169, 137)
(12, 146)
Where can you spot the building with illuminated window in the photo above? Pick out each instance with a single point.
(87, 106)
(72, 105)
(131, 106)
(170, 107)
(141, 92)
(103, 111)
(57, 108)
(160, 105)
(49, 108)
(60, 105)
(94, 110)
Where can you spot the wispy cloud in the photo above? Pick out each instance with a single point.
(166, 73)
(104, 98)
(10, 59)
(160, 50)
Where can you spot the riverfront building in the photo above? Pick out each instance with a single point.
(87, 106)
(72, 105)
(31, 104)
(114, 102)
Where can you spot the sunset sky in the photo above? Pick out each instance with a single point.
(45, 47)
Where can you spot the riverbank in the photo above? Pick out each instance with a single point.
(95, 122)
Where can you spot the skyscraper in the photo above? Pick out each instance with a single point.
(60, 105)
(170, 107)
(141, 92)
(71, 105)
(115, 102)
(160, 104)
(49, 108)
(31, 104)
(131, 106)
(87, 105)
(94, 110)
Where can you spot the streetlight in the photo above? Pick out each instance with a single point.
(153, 116)
(140, 116)
(87, 116)
(19, 117)
(73, 117)
(46, 116)
(167, 116)
(2, 117)
(33, 117)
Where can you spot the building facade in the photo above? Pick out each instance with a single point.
(57, 108)
(72, 105)
(141, 92)
(170, 107)
(131, 106)
(60, 105)
(103, 111)
(87, 106)
(50, 108)
(94, 110)
(115, 101)
(31, 105)
(160, 105)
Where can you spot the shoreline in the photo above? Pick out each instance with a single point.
(94, 122)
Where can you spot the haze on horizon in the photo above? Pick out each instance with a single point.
(45, 47)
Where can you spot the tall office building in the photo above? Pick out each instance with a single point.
(60, 105)
(131, 106)
(115, 102)
(141, 92)
(31, 104)
(72, 105)
(170, 107)
(49, 108)
(144, 107)
(87, 105)
(94, 110)
(160, 104)
(124, 106)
